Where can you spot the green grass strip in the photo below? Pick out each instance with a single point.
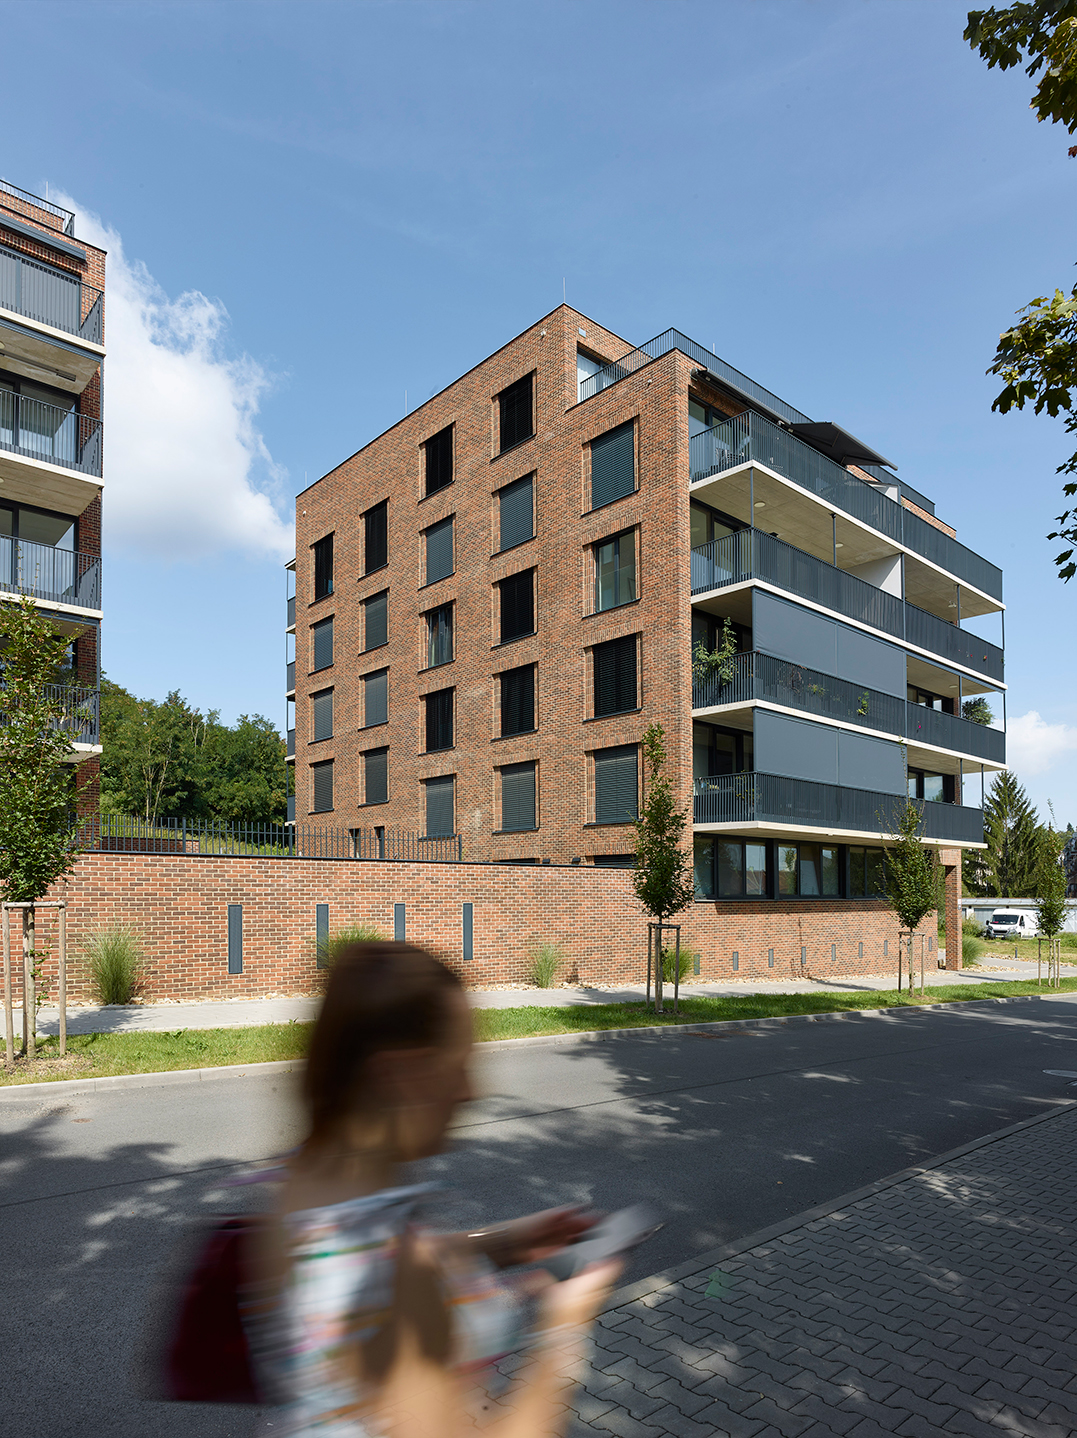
(101, 1055)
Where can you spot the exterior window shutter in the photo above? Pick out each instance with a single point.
(439, 460)
(376, 698)
(517, 513)
(439, 720)
(323, 786)
(377, 620)
(518, 797)
(376, 546)
(376, 776)
(323, 644)
(615, 676)
(518, 605)
(516, 412)
(322, 705)
(613, 465)
(518, 700)
(616, 785)
(439, 555)
(439, 806)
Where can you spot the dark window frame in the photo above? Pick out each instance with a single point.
(612, 649)
(429, 617)
(510, 418)
(436, 723)
(448, 522)
(508, 675)
(601, 757)
(323, 695)
(382, 594)
(322, 767)
(518, 770)
(438, 779)
(322, 559)
(514, 580)
(444, 439)
(368, 755)
(516, 485)
(322, 626)
(608, 437)
(364, 679)
(371, 538)
(615, 539)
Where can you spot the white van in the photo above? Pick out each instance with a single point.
(1009, 924)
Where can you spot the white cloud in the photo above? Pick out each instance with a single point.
(1034, 747)
(187, 473)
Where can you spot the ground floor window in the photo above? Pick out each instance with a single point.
(731, 868)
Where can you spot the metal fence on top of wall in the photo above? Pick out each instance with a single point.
(121, 834)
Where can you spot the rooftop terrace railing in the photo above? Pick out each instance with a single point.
(58, 576)
(50, 296)
(752, 798)
(118, 833)
(749, 436)
(752, 554)
(49, 432)
(673, 340)
(67, 216)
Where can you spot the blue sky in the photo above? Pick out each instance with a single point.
(320, 206)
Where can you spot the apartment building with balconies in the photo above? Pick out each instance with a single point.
(496, 597)
(51, 372)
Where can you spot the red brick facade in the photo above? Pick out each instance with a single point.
(179, 904)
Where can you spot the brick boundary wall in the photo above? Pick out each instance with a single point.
(179, 903)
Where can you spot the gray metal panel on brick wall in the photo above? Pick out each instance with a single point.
(323, 644)
(616, 784)
(439, 806)
(613, 465)
(468, 934)
(235, 938)
(518, 797)
(516, 513)
(789, 632)
(322, 714)
(400, 923)
(867, 763)
(376, 697)
(321, 933)
(871, 662)
(439, 551)
(376, 621)
(795, 748)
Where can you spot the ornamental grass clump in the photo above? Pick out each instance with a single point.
(116, 963)
(546, 962)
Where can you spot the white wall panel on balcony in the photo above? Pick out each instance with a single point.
(790, 632)
(884, 573)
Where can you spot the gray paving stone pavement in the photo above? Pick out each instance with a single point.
(943, 1299)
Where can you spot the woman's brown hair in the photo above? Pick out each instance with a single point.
(379, 996)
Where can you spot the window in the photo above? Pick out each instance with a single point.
(616, 788)
(376, 620)
(518, 808)
(927, 700)
(39, 526)
(439, 648)
(866, 878)
(376, 698)
(720, 751)
(323, 644)
(376, 537)
(439, 551)
(376, 776)
(516, 413)
(701, 417)
(706, 525)
(516, 513)
(585, 368)
(615, 571)
(439, 460)
(615, 676)
(809, 870)
(614, 861)
(518, 700)
(322, 776)
(703, 868)
(439, 720)
(937, 788)
(613, 465)
(323, 567)
(322, 714)
(439, 807)
(517, 605)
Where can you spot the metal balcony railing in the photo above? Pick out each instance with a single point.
(291, 612)
(290, 751)
(58, 576)
(68, 216)
(290, 680)
(751, 554)
(771, 798)
(749, 436)
(50, 432)
(79, 711)
(950, 731)
(51, 297)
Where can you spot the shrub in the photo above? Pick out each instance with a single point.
(546, 961)
(1068, 941)
(116, 962)
(971, 949)
(971, 927)
(329, 948)
(669, 957)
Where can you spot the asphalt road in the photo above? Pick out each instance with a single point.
(722, 1135)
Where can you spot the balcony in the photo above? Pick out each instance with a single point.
(291, 612)
(750, 554)
(80, 710)
(290, 749)
(290, 681)
(50, 433)
(771, 799)
(51, 297)
(749, 437)
(756, 677)
(57, 576)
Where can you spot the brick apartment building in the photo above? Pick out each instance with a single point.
(496, 597)
(51, 363)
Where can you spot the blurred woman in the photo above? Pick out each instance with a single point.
(362, 1322)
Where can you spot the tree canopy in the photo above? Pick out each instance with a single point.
(166, 760)
(663, 873)
(1011, 863)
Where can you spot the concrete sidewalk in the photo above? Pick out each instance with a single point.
(243, 1013)
(939, 1300)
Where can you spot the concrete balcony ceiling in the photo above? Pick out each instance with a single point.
(49, 356)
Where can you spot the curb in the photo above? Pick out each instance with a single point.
(588, 1036)
(669, 1276)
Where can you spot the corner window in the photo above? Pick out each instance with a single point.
(516, 413)
(613, 465)
(322, 781)
(376, 537)
(517, 700)
(517, 605)
(440, 808)
(376, 698)
(616, 690)
(518, 807)
(615, 571)
(322, 715)
(376, 620)
(616, 785)
(439, 637)
(439, 720)
(439, 551)
(376, 776)
(322, 637)
(516, 513)
(438, 452)
(323, 567)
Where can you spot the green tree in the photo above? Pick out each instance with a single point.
(663, 874)
(244, 774)
(1051, 884)
(37, 793)
(911, 873)
(1037, 357)
(1008, 867)
(978, 711)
